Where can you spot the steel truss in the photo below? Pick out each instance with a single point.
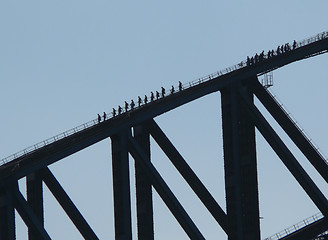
(240, 221)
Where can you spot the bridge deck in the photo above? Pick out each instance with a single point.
(63, 145)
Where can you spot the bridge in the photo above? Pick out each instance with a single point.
(130, 129)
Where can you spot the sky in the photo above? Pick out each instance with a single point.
(62, 62)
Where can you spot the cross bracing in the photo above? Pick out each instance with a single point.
(238, 85)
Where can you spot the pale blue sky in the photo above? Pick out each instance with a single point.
(62, 62)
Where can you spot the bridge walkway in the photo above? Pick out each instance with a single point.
(60, 146)
(303, 49)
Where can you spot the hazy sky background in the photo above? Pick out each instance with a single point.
(62, 62)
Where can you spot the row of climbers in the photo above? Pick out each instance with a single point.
(280, 50)
(141, 102)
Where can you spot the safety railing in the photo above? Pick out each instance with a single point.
(48, 141)
(298, 126)
(91, 123)
(296, 227)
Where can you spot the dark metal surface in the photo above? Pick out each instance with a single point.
(309, 232)
(27, 214)
(240, 166)
(51, 153)
(144, 198)
(35, 200)
(240, 116)
(121, 186)
(287, 157)
(188, 174)
(291, 129)
(7, 215)
(67, 204)
(164, 191)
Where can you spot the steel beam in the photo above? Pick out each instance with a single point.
(35, 201)
(309, 151)
(27, 214)
(7, 215)
(287, 157)
(121, 185)
(188, 174)
(163, 190)
(145, 222)
(309, 231)
(60, 149)
(67, 204)
(240, 167)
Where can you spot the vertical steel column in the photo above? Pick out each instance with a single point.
(145, 220)
(121, 185)
(35, 201)
(7, 216)
(27, 214)
(240, 167)
(164, 191)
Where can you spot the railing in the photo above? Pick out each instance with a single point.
(297, 125)
(296, 227)
(89, 124)
(48, 141)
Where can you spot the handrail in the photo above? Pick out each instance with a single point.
(91, 123)
(296, 227)
(299, 128)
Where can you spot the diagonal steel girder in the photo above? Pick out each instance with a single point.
(188, 174)
(163, 190)
(286, 156)
(67, 204)
(309, 151)
(27, 214)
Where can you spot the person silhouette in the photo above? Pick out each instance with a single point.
(132, 104)
(139, 101)
(163, 92)
(104, 115)
(99, 118)
(126, 106)
(248, 62)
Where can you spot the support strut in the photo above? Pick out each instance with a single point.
(121, 185)
(145, 222)
(35, 200)
(287, 157)
(27, 214)
(67, 204)
(240, 167)
(7, 215)
(164, 191)
(188, 174)
(311, 153)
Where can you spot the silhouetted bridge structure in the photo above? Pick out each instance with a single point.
(130, 133)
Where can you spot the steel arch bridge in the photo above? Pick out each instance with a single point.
(130, 130)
